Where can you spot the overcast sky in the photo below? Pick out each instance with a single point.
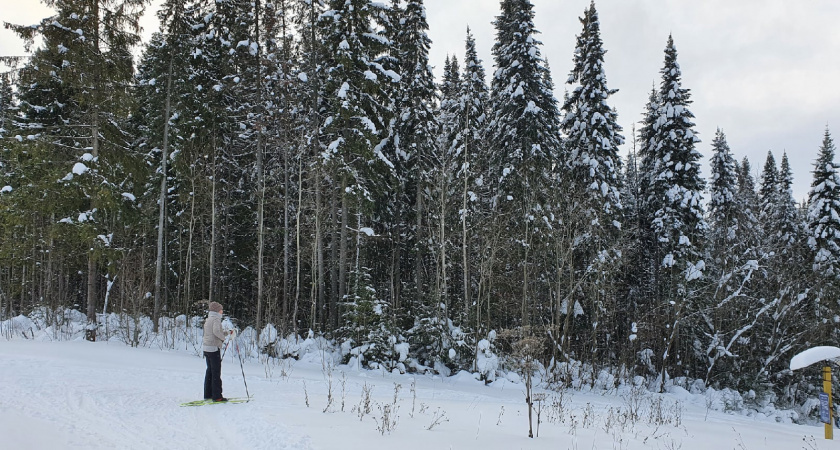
(767, 72)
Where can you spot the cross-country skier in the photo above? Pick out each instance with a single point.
(214, 337)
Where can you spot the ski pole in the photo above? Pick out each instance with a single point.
(226, 346)
(236, 345)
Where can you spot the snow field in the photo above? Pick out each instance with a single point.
(79, 394)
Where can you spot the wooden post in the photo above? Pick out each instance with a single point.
(829, 427)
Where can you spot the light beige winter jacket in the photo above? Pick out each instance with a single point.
(214, 337)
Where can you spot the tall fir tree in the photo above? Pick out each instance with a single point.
(592, 134)
(676, 200)
(161, 86)
(358, 111)
(824, 211)
(422, 188)
(788, 224)
(768, 189)
(749, 206)
(592, 138)
(470, 158)
(722, 333)
(86, 54)
(644, 291)
(723, 202)
(524, 130)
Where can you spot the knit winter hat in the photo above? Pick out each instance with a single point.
(215, 307)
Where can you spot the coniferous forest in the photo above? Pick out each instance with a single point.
(297, 161)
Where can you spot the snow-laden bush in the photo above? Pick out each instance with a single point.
(438, 345)
(459, 353)
(487, 362)
(268, 337)
(369, 334)
(18, 327)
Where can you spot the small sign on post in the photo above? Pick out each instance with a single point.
(813, 356)
(825, 412)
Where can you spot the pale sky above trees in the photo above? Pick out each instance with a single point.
(765, 71)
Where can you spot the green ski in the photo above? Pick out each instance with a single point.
(211, 402)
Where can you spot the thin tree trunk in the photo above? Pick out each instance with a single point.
(94, 132)
(91, 297)
(670, 344)
(418, 243)
(396, 253)
(525, 275)
(298, 252)
(334, 289)
(342, 253)
(48, 288)
(485, 284)
(319, 242)
(442, 283)
(162, 198)
(213, 229)
(260, 175)
(464, 238)
(188, 268)
(286, 240)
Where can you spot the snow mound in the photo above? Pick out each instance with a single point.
(813, 356)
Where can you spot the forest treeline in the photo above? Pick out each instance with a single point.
(297, 161)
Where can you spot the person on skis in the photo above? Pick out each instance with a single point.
(214, 338)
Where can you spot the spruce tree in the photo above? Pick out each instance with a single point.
(723, 205)
(86, 54)
(824, 211)
(524, 132)
(732, 264)
(592, 138)
(421, 185)
(470, 158)
(676, 194)
(788, 226)
(593, 135)
(358, 110)
(647, 254)
(749, 206)
(161, 87)
(768, 190)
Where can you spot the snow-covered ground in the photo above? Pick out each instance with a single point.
(78, 394)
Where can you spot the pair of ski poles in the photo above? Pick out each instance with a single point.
(241, 367)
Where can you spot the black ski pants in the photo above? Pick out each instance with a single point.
(213, 376)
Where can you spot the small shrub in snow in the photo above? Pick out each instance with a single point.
(343, 389)
(330, 399)
(557, 406)
(388, 418)
(413, 396)
(588, 420)
(364, 406)
(633, 401)
(438, 418)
